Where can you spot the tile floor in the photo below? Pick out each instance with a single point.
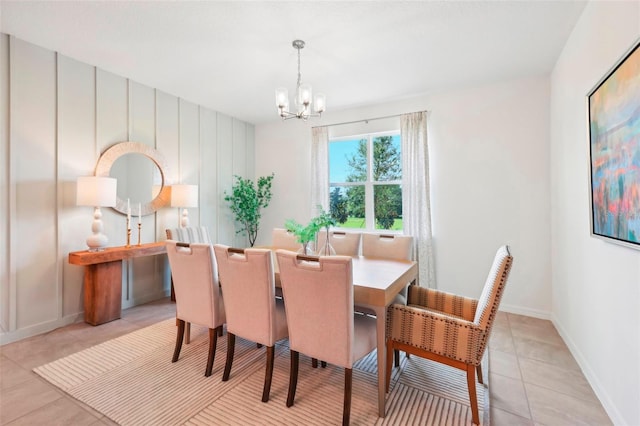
(534, 379)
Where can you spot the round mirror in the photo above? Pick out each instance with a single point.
(141, 174)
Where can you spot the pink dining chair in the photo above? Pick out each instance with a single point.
(318, 294)
(253, 311)
(198, 297)
(283, 239)
(188, 234)
(343, 243)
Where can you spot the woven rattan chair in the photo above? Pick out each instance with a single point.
(447, 328)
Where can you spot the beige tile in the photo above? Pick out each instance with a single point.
(83, 406)
(545, 352)
(104, 421)
(25, 397)
(549, 407)
(504, 418)
(508, 394)
(11, 374)
(504, 364)
(567, 381)
(60, 412)
(502, 320)
(540, 330)
(501, 340)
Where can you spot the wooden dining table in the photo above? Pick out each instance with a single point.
(376, 282)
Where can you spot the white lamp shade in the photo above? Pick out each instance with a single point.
(184, 196)
(96, 191)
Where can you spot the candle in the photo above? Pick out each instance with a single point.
(128, 213)
(139, 212)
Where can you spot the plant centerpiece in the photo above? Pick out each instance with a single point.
(246, 200)
(307, 235)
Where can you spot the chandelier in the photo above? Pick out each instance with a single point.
(302, 99)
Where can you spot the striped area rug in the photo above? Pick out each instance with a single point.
(132, 381)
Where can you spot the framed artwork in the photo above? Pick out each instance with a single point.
(614, 140)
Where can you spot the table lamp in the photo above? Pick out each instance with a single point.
(96, 191)
(184, 196)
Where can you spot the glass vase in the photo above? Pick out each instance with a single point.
(326, 249)
(307, 249)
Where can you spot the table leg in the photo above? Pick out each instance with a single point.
(102, 292)
(381, 319)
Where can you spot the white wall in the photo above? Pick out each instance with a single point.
(489, 155)
(596, 285)
(57, 116)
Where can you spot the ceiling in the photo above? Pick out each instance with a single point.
(231, 55)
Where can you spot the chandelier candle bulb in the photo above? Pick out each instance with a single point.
(139, 213)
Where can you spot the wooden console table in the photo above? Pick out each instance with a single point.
(103, 278)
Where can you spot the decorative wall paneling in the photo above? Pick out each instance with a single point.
(57, 116)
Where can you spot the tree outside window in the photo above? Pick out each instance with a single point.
(365, 174)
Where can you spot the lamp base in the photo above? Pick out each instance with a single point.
(97, 241)
(184, 221)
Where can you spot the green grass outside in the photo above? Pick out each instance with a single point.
(359, 223)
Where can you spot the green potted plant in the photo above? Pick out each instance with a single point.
(307, 234)
(246, 200)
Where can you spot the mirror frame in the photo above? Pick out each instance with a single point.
(108, 157)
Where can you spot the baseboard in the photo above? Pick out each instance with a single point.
(521, 310)
(145, 298)
(43, 327)
(592, 378)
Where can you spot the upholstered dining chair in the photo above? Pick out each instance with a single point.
(318, 294)
(283, 239)
(253, 312)
(448, 328)
(343, 243)
(198, 296)
(188, 234)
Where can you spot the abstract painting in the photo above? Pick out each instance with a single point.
(614, 133)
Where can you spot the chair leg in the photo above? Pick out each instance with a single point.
(293, 377)
(346, 410)
(268, 374)
(479, 373)
(220, 331)
(213, 343)
(231, 343)
(473, 399)
(314, 362)
(179, 336)
(396, 357)
(187, 338)
(323, 364)
(390, 353)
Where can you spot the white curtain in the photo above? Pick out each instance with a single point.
(319, 170)
(416, 204)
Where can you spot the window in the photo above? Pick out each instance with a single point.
(365, 176)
